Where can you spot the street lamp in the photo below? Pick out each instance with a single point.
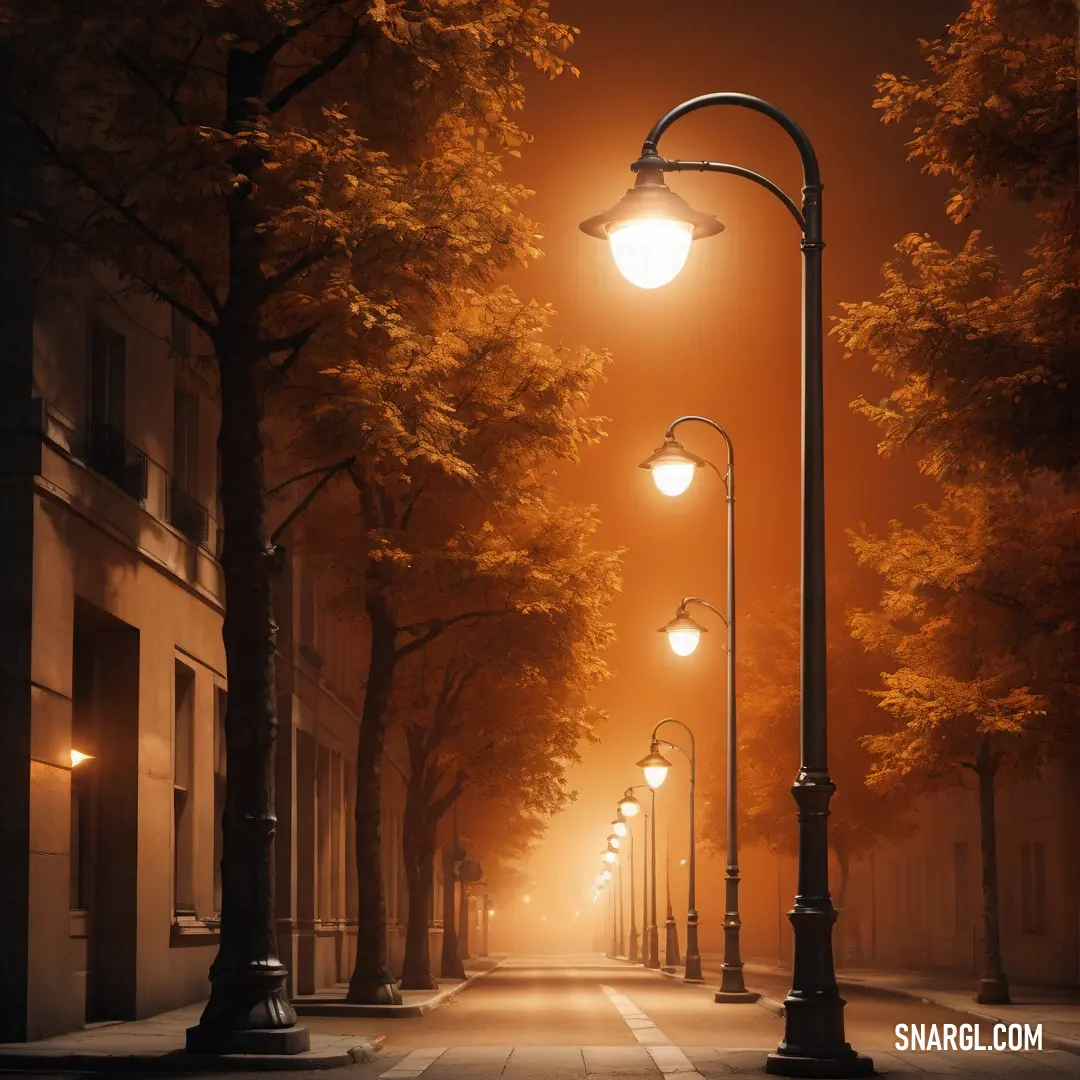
(683, 633)
(650, 254)
(683, 636)
(608, 856)
(621, 830)
(672, 468)
(630, 807)
(656, 767)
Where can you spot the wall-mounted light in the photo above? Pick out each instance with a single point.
(78, 757)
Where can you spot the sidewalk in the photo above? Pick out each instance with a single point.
(1057, 1009)
(331, 1001)
(157, 1044)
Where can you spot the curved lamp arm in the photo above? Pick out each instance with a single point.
(729, 478)
(704, 603)
(809, 219)
(692, 756)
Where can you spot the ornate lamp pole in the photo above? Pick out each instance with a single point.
(630, 807)
(620, 828)
(671, 945)
(650, 231)
(672, 468)
(656, 766)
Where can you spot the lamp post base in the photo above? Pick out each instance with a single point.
(993, 991)
(737, 997)
(815, 1068)
(219, 1040)
(248, 1013)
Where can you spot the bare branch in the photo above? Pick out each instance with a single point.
(316, 71)
(170, 247)
(309, 498)
(303, 262)
(273, 46)
(140, 76)
(437, 626)
(288, 343)
(338, 465)
(410, 506)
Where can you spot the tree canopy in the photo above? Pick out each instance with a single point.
(984, 366)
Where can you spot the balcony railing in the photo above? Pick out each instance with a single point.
(186, 514)
(110, 454)
(107, 452)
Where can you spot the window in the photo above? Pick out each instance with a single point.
(914, 892)
(961, 888)
(1033, 888)
(180, 335)
(220, 702)
(324, 908)
(183, 811)
(106, 450)
(185, 512)
(186, 439)
(108, 377)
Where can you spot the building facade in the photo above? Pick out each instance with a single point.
(114, 686)
(918, 903)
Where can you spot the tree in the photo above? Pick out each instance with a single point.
(983, 636)
(236, 161)
(497, 709)
(497, 405)
(767, 715)
(985, 367)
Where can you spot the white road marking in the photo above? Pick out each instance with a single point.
(414, 1063)
(669, 1059)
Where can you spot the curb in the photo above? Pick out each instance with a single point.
(1050, 1040)
(179, 1061)
(766, 1003)
(392, 1012)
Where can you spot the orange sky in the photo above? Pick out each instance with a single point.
(724, 338)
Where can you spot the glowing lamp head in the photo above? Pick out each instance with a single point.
(526, 899)
(683, 633)
(619, 826)
(491, 912)
(650, 230)
(629, 806)
(606, 875)
(613, 842)
(655, 766)
(78, 757)
(609, 857)
(672, 467)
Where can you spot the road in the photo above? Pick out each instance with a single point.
(557, 1018)
(570, 1018)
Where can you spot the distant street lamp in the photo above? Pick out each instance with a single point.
(671, 944)
(672, 468)
(650, 232)
(620, 830)
(656, 766)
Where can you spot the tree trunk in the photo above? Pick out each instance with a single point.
(418, 844)
(463, 924)
(993, 987)
(372, 982)
(247, 1009)
(451, 967)
(247, 978)
(844, 861)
